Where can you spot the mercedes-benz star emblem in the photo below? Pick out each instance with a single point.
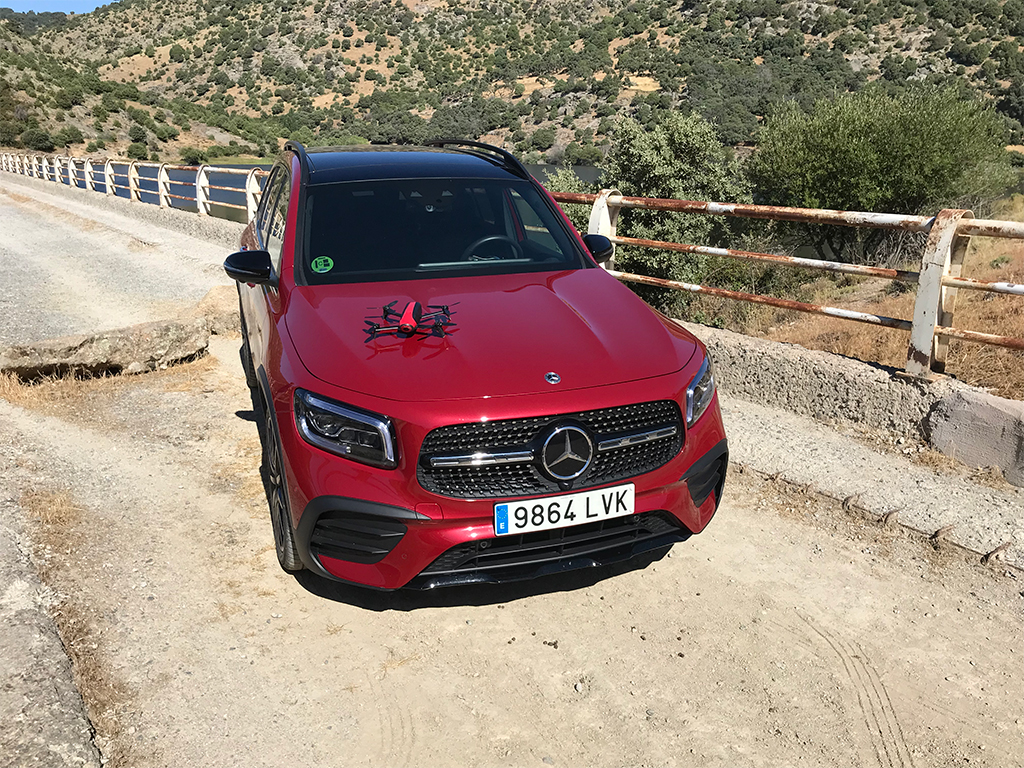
(567, 453)
(552, 378)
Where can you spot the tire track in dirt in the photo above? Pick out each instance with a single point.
(879, 716)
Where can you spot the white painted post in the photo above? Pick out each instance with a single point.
(108, 177)
(34, 160)
(133, 181)
(58, 161)
(923, 354)
(604, 217)
(90, 183)
(252, 193)
(163, 186)
(202, 190)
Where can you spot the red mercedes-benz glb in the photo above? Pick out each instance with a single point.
(453, 390)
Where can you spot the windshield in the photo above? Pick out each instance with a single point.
(409, 228)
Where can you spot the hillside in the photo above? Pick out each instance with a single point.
(548, 77)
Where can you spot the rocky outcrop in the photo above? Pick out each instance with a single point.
(220, 308)
(138, 348)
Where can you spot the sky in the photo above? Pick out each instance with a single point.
(67, 6)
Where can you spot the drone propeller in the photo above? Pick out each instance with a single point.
(443, 307)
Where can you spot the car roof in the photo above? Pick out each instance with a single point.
(367, 162)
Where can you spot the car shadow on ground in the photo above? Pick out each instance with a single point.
(474, 594)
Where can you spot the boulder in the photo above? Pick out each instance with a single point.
(138, 348)
(981, 430)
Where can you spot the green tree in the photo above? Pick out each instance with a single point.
(177, 53)
(37, 139)
(912, 152)
(137, 133)
(137, 151)
(67, 136)
(680, 157)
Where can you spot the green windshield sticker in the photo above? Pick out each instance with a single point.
(323, 264)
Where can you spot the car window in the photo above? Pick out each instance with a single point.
(274, 242)
(266, 209)
(410, 228)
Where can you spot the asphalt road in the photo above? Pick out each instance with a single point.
(791, 632)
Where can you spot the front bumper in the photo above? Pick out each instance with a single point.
(389, 547)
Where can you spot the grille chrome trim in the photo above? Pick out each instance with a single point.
(482, 459)
(633, 452)
(637, 438)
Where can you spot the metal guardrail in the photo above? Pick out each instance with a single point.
(113, 177)
(938, 279)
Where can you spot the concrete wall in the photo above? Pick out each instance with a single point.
(963, 422)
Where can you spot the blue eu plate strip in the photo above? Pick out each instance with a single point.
(501, 518)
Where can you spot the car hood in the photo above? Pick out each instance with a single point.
(509, 331)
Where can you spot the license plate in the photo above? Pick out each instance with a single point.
(563, 511)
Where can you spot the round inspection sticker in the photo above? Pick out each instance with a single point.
(323, 264)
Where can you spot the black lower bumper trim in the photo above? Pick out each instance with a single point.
(532, 555)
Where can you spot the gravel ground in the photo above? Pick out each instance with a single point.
(790, 632)
(71, 268)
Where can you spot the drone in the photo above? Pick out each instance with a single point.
(411, 321)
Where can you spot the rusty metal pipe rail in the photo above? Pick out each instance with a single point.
(866, 219)
(786, 261)
(937, 281)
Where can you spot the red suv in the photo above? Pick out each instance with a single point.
(453, 390)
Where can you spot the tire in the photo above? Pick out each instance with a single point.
(277, 497)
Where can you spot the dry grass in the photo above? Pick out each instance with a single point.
(996, 369)
(55, 543)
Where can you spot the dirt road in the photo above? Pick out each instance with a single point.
(787, 633)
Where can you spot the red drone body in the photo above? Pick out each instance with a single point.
(411, 321)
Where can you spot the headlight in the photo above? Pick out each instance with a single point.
(340, 429)
(700, 392)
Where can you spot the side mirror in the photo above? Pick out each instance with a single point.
(249, 266)
(600, 247)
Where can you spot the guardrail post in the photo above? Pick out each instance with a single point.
(202, 190)
(34, 162)
(108, 177)
(133, 181)
(604, 218)
(252, 193)
(90, 182)
(945, 249)
(163, 186)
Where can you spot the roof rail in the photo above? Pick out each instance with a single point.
(508, 161)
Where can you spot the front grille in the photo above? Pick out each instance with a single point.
(511, 480)
(527, 555)
(355, 537)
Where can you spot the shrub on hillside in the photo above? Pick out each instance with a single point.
(137, 133)
(137, 151)
(67, 136)
(37, 139)
(913, 152)
(193, 156)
